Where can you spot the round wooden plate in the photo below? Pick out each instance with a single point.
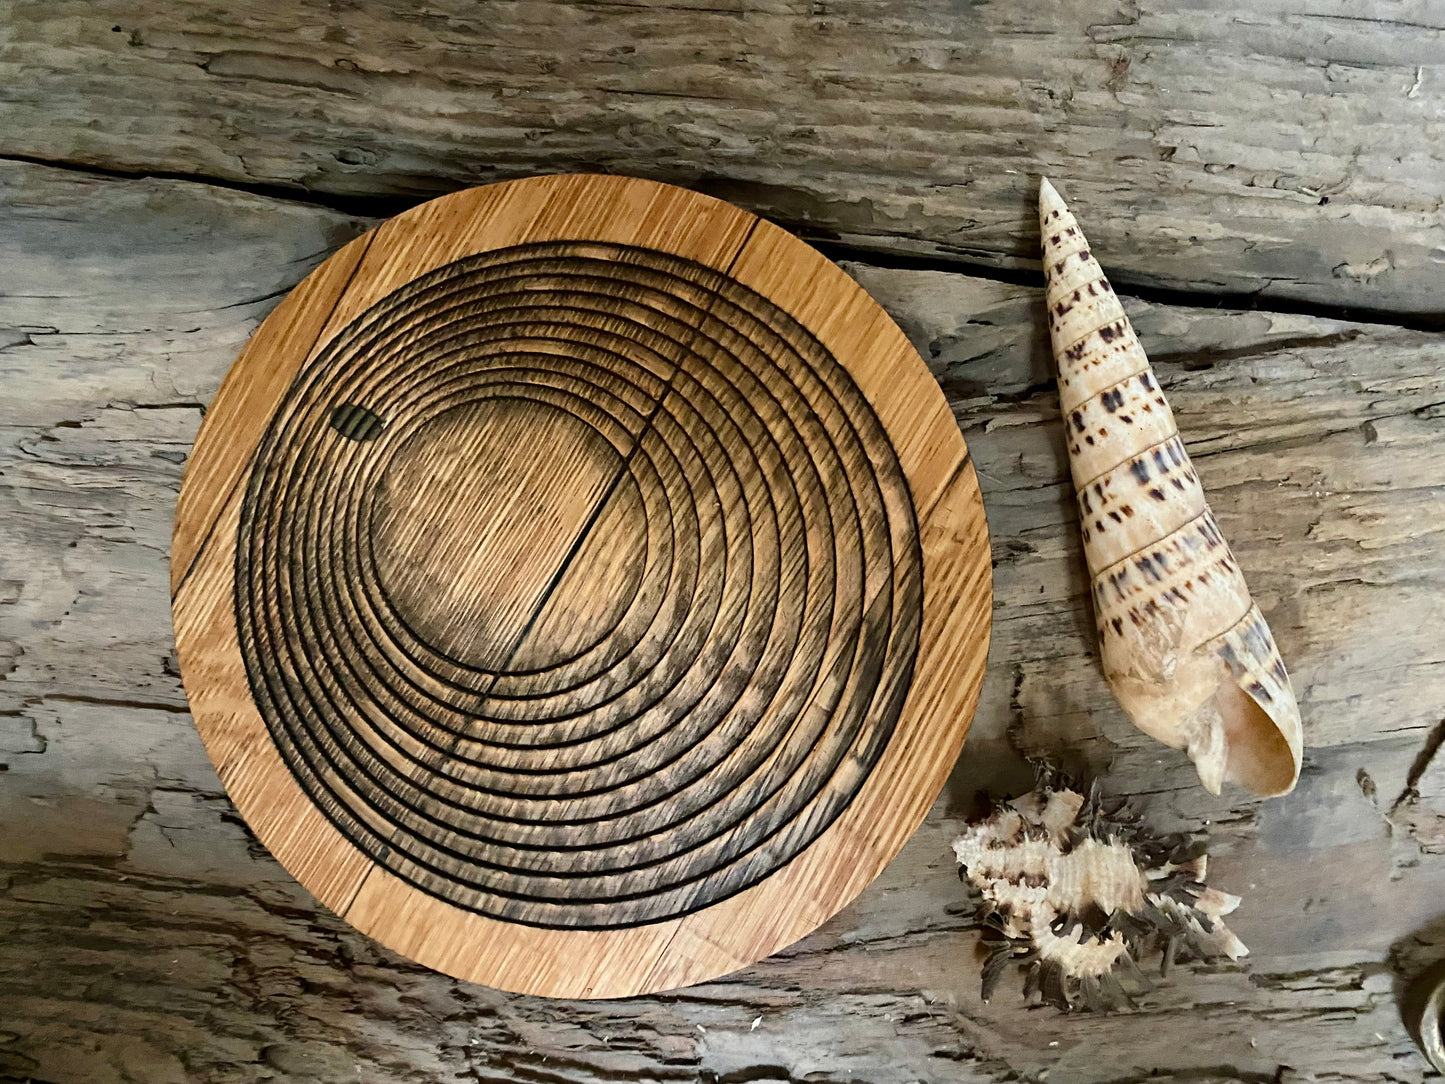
(581, 586)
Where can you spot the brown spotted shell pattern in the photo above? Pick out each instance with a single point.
(1185, 649)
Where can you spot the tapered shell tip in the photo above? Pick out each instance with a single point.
(1049, 200)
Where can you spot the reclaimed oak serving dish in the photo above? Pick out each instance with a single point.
(581, 586)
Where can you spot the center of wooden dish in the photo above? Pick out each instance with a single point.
(496, 509)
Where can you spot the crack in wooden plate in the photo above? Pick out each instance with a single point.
(581, 586)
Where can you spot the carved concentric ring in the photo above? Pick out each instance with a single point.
(581, 586)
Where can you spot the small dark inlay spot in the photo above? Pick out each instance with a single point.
(1060, 309)
(1156, 493)
(1078, 417)
(1075, 352)
(1116, 517)
(1112, 400)
(1127, 419)
(1118, 624)
(1259, 691)
(1107, 333)
(1084, 255)
(1054, 240)
(1140, 470)
(1128, 511)
(356, 422)
(1089, 440)
(1178, 483)
(1105, 284)
(1146, 379)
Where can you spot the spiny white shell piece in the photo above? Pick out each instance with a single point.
(1042, 870)
(1185, 649)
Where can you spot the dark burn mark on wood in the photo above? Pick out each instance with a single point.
(356, 422)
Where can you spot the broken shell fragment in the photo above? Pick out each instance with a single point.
(1077, 893)
(1185, 649)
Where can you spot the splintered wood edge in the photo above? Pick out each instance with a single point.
(957, 590)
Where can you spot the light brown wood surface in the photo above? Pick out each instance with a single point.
(584, 588)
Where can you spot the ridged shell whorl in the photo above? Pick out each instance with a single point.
(1184, 647)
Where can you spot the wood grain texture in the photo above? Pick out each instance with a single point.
(619, 619)
(1283, 147)
(145, 936)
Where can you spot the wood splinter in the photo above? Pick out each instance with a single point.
(1185, 648)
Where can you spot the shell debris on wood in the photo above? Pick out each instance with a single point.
(1185, 648)
(1074, 890)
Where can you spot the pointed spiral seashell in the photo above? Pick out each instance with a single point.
(1185, 649)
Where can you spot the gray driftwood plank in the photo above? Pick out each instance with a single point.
(1283, 147)
(144, 936)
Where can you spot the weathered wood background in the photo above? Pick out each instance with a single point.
(1265, 179)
